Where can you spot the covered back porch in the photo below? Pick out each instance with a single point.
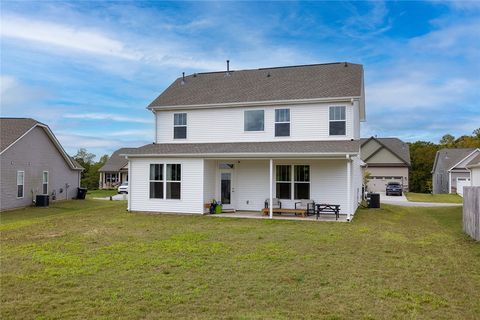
(245, 186)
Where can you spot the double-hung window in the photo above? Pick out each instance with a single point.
(173, 181)
(156, 181)
(337, 121)
(282, 122)
(284, 181)
(254, 120)
(45, 182)
(293, 177)
(302, 182)
(20, 183)
(165, 181)
(179, 126)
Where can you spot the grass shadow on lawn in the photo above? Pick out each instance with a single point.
(93, 259)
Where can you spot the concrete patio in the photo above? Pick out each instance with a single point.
(259, 215)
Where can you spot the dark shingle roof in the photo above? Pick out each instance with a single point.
(447, 158)
(294, 147)
(268, 84)
(116, 162)
(395, 145)
(13, 128)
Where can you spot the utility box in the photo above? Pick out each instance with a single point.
(42, 200)
(373, 200)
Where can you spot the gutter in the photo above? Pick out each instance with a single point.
(295, 155)
(255, 103)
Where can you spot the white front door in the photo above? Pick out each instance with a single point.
(227, 190)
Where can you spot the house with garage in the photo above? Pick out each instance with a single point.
(386, 160)
(451, 170)
(474, 168)
(115, 171)
(250, 138)
(32, 162)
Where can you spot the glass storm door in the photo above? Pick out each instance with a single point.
(226, 188)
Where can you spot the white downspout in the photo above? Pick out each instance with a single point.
(129, 208)
(349, 187)
(156, 127)
(449, 182)
(270, 180)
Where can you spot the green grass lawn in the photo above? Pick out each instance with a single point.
(428, 197)
(103, 193)
(92, 259)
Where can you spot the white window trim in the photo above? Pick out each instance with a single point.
(23, 184)
(43, 180)
(289, 123)
(164, 181)
(293, 181)
(253, 131)
(179, 181)
(289, 181)
(180, 126)
(344, 120)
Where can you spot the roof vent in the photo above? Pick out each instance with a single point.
(346, 64)
(268, 75)
(195, 75)
(183, 78)
(228, 68)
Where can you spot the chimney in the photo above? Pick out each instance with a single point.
(183, 77)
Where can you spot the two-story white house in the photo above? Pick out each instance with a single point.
(245, 136)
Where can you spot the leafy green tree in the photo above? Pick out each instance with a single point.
(90, 176)
(422, 156)
(476, 133)
(447, 140)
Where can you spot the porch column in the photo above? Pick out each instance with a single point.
(270, 180)
(349, 187)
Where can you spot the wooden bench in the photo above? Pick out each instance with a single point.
(302, 212)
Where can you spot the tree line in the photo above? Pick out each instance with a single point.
(90, 176)
(422, 157)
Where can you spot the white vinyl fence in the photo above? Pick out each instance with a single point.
(471, 212)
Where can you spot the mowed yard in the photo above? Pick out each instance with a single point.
(92, 259)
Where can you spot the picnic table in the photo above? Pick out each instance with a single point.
(328, 209)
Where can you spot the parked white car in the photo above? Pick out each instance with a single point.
(123, 188)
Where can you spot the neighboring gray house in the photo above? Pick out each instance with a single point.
(115, 171)
(450, 172)
(33, 162)
(387, 159)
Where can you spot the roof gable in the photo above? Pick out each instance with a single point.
(116, 160)
(445, 158)
(462, 164)
(13, 129)
(385, 150)
(332, 80)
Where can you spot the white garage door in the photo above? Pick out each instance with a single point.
(462, 182)
(379, 183)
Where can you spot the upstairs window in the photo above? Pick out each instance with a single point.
(179, 126)
(20, 183)
(156, 181)
(45, 182)
(282, 122)
(337, 121)
(254, 120)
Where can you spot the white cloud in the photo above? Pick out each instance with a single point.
(90, 41)
(14, 94)
(106, 116)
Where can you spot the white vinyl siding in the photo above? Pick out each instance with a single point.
(308, 122)
(191, 191)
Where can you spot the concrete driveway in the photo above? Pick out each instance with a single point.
(403, 201)
(115, 197)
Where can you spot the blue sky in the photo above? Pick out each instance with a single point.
(89, 69)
